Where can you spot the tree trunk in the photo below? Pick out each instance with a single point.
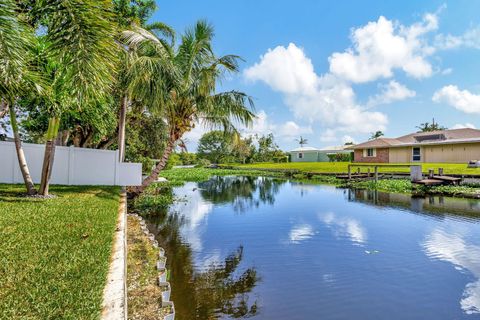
(160, 166)
(49, 155)
(22, 162)
(121, 128)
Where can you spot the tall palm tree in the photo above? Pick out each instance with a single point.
(181, 82)
(80, 38)
(15, 75)
(302, 141)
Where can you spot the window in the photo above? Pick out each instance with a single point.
(300, 155)
(416, 154)
(370, 152)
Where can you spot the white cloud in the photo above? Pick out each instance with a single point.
(326, 99)
(464, 125)
(462, 100)
(328, 135)
(393, 91)
(292, 129)
(382, 46)
(469, 39)
(262, 125)
(287, 70)
(447, 71)
(348, 139)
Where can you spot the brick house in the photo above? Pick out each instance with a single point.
(450, 146)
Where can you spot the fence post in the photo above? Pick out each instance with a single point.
(415, 173)
(71, 165)
(376, 174)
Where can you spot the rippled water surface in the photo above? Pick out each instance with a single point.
(243, 247)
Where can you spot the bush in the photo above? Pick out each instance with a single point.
(280, 159)
(173, 160)
(201, 163)
(187, 158)
(340, 157)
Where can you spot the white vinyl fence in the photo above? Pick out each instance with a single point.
(72, 166)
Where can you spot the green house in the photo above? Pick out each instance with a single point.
(309, 154)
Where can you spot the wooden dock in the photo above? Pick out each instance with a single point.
(416, 175)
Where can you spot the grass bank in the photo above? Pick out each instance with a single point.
(55, 253)
(342, 167)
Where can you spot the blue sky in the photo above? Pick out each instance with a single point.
(336, 71)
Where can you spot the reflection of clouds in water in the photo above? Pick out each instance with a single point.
(345, 227)
(300, 233)
(454, 249)
(195, 209)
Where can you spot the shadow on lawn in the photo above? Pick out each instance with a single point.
(17, 193)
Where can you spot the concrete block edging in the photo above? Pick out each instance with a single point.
(162, 271)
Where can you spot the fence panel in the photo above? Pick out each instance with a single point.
(72, 166)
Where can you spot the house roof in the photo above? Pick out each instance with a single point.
(304, 149)
(464, 135)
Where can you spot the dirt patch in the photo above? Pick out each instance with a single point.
(144, 294)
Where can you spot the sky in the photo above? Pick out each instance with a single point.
(336, 71)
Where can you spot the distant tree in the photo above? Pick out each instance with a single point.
(350, 143)
(267, 149)
(302, 141)
(376, 135)
(215, 146)
(427, 127)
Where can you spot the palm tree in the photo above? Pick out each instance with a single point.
(127, 56)
(80, 40)
(181, 82)
(15, 74)
(376, 135)
(302, 141)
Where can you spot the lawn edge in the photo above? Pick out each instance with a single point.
(114, 306)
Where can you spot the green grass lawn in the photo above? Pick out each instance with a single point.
(338, 167)
(54, 253)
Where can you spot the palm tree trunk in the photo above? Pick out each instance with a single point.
(22, 161)
(49, 155)
(121, 128)
(160, 166)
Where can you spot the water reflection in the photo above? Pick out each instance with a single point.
(243, 193)
(312, 239)
(454, 248)
(301, 233)
(345, 227)
(220, 286)
(437, 205)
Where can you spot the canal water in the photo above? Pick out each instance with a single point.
(262, 248)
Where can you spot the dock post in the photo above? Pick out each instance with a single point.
(431, 173)
(440, 171)
(349, 172)
(376, 174)
(416, 173)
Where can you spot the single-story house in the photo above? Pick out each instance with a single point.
(450, 146)
(310, 154)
